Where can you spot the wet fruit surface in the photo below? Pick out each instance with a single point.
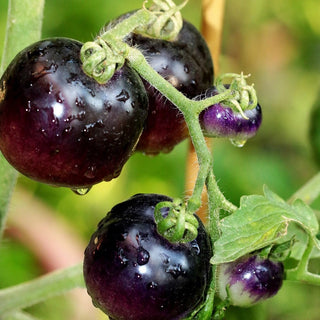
(132, 272)
(186, 63)
(250, 280)
(59, 126)
(220, 120)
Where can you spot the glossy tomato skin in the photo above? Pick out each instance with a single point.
(222, 121)
(250, 279)
(59, 126)
(187, 64)
(133, 273)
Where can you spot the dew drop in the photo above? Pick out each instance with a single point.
(238, 143)
(123, 96)
(194, 82)
(50, 88)
(81, 191)
(67, 130)
(59, 97)
(80, 116)
(124, 235)
(122, 258)
(165, 259)
(175, 270)
(91, 172)
(152, 285)
(142, 256)
(138, 276)
(28, 108)
(44, 132)
(107, 106)
(195, 249)
(79, 102)
(99, 124)
(52, 68)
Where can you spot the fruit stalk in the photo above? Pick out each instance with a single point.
(301, 273)
(211, 28)
(191, 110)
(24, 23)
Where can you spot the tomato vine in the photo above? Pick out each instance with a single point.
(243, 230)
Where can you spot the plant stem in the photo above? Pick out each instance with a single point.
(309, 192)
(190, 110)
(120, 30)
(301, 273)
(24, 24)
(38, 290)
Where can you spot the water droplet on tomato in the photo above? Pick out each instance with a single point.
(81, 191)
(175, 270)
(107, 106)
(152, 285)
(91, 172)
(238, 142)
(59, 97)
(142, 256)
(138, 276)
(28, 108)
(79, 102)
(123, 96)
(122, 258)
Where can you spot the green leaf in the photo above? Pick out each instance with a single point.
(259, 222)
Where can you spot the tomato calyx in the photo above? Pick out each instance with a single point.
(174, 222)
(166, 21)
(245, 97)
(101, 59)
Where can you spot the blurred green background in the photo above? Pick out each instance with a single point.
(278, 42)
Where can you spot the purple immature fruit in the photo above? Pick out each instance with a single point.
(133, 273)
(222, 121)
(61, 127)
(249, 280)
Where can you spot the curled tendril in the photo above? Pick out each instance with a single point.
(100, 60)
(167, 20)
(176, 224)
(245, 96)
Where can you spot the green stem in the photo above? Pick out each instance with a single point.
(191, 110)
(24, 24)
(53, 284)
(309, 192)
(120, 30)
(301, 273)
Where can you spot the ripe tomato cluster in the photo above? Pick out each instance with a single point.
(61, 127)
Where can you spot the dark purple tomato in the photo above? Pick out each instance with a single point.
(61, 127)
(186, 63)
(220, 120)
(133, 273)
(250, 279)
